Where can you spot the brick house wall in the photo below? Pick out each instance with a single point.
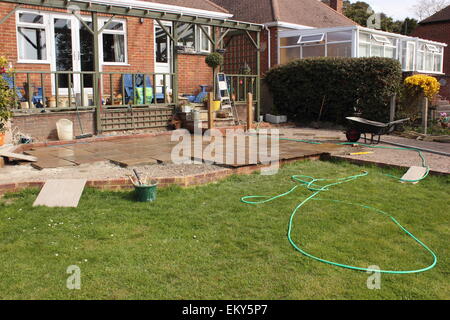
(193, 70)
(439, 31)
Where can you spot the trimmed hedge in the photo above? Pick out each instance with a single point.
(341, 85)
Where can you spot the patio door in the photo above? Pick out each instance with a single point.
(72, 51)
(163, 59)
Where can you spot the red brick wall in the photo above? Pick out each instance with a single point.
(42, 126)
(273, 49)
(193, 72)
(438, 32)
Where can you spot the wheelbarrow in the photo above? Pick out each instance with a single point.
(360, 126)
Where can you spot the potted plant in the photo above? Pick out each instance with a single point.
(214, 60)
(6, 99)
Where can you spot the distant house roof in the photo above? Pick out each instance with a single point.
(312, 13)
(441, 16)
(194, 4)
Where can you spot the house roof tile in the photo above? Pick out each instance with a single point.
(311, 13)
(441, 16)
(195, 4)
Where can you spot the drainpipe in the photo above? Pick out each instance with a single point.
(269, 47)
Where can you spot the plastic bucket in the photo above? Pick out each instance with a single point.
(216, 105)
(65, 129)
(145, 193)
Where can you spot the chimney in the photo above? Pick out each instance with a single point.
(337, 5)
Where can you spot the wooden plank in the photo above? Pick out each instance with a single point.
(414, 173)
(17, 156)
(61, 193)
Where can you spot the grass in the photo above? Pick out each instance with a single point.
(203, 243)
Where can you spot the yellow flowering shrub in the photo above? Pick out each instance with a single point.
(421, 83)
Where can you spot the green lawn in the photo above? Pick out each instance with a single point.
(203, 243)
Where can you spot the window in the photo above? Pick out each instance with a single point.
(429, 58)
(313, 51)
(340, 49)
(186, 36)
(432, 48)
(193, 39)
(114, 42)
(375, 45)
(205, 44)
(380, 39)
(31, 37)
(311, 38)
(289, 54)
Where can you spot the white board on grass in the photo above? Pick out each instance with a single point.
(413, 174)
(61, 193)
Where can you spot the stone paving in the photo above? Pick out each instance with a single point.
(152, 150)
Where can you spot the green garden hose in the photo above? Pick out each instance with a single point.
(311, 184)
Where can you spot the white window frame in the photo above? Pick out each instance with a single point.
(432, 48)
(123, 32)
(408, 57)
(435, 51)
(198, 38)
(202, 37)
(380, 39)
(45, 26)
(301, 41)
(384, 41)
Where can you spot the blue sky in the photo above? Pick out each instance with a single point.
(398, 9)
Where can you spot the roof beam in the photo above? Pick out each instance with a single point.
(139, 13)
(9, 14)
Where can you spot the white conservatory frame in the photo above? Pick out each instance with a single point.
(415, 54)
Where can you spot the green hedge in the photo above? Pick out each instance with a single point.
(301, 87)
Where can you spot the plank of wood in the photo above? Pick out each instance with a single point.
(414, 173)
(17, 156)
(61, 193)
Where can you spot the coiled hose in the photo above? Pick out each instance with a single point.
(311, 184)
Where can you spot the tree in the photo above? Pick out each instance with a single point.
(426, 8)
(361, 12)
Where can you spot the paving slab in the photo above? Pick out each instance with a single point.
(61, 193)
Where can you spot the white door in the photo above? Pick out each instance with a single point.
(72, 50)
(163, 59)
(410, 56)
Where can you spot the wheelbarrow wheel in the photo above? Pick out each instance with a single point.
(353, 135)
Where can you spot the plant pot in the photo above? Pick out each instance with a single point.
(2, 138)
(445, 125)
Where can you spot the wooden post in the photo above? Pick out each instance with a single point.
(393, 107)
(97, 77)
(249, 111)
(425, 115)
(258, 78)
(210, 111)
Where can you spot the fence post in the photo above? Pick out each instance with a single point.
(425, 115)
(249, 111)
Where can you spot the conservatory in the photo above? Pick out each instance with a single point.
(415, 54)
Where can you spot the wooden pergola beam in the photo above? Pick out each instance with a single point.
(9, 14)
